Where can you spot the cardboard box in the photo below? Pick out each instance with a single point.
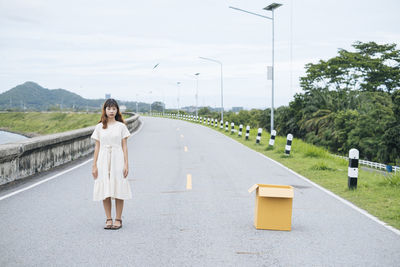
(273, 209)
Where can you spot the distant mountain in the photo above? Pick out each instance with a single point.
(31, 96)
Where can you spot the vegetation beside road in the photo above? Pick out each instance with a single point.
(41, 123)
(349, 101)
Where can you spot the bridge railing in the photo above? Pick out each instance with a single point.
(25, 158)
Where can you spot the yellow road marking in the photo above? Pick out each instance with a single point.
(189, 181)
(186, 149)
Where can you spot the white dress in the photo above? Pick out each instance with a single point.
(110, 181)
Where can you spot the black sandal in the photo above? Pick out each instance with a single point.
(117, 227)
(108, 226)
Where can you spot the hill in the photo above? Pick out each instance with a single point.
(31, 96)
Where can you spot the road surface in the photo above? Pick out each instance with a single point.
(190, 208)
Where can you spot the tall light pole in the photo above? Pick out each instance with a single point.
(137, 97)
(197, 92)
(155, 66)
(271, 8)
(222, 85)
(150, 101)
(179, 93)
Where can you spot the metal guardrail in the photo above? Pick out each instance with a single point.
(371, 164)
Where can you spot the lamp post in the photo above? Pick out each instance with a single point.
(222, 85)
(137, 97)
(197, 91)
(155, 66)
(271, 8)
(150, 101)
(179, 92)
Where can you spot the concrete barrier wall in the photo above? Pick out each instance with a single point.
(23, 159)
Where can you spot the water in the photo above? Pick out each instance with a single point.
(6, 137)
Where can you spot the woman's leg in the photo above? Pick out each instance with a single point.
(107, 209)
(119, 205)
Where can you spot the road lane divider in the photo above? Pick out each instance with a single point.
(189, 181)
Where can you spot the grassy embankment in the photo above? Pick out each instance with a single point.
(376, 193)
(37, 123)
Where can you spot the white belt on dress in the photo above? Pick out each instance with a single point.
(109, 150)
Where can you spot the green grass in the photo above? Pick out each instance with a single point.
(41, 123)
(376, 193)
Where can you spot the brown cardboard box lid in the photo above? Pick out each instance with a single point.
(279, 191)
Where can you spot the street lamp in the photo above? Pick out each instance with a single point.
(179, 93)
(150, 101)
(155, 66)
(271, 8)
(137, 97)
(222, 85)
(197, 91)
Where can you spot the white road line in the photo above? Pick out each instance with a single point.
(344, 201)
(57, 175)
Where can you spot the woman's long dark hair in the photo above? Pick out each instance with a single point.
(110, 103)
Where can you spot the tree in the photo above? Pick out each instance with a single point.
(372, 67)
(157, 106)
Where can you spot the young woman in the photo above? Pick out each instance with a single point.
(110, 164)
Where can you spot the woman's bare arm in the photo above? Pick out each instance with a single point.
(125, 150)
(96, 155)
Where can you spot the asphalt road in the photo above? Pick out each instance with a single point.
(168, 224)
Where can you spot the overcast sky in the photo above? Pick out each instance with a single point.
(97, 47)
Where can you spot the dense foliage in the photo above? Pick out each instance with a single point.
(349, 101)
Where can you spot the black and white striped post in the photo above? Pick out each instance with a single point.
(232, 127)
(272, 139)
(215, 123)
(226, 126)
(247, 132)
(240, 130)
(288, 146)
(353, 168)
(258, 139)
(222, 125)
